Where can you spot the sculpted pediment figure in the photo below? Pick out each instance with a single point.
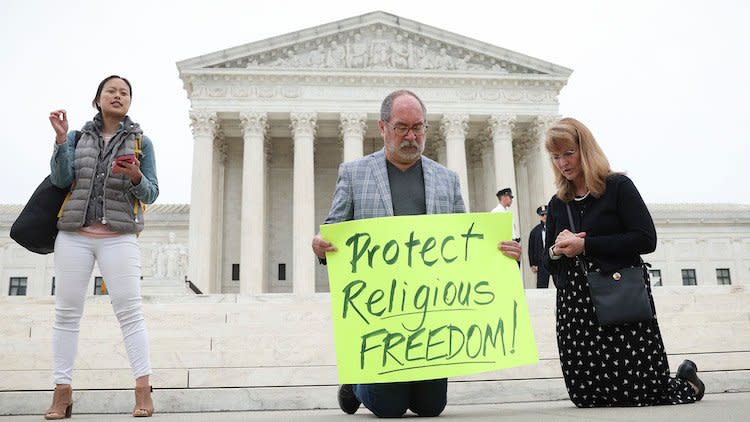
(375, 49)
(377, 41)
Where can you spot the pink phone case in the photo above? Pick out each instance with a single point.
(128, 158)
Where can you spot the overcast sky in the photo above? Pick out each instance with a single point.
(663, 85)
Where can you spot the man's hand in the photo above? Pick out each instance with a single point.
(511, 249)
(534, 269)
(320, 246)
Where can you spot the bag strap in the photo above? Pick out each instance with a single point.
(573, 229)
(72, 185)
(138, 153)
(137, 148)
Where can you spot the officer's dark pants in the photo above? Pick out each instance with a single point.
(392, 400)
(542, 278)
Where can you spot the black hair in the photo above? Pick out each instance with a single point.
(101, 87)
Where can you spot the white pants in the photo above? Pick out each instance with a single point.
(119, 260)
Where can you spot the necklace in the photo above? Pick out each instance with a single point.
(581, 198)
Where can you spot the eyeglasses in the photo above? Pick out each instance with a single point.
(402, 130)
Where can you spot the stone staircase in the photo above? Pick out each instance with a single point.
(231, 352)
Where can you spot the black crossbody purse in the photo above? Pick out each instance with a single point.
(619, 297)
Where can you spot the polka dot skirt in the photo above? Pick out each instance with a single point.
(622, 365)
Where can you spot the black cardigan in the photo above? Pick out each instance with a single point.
(618, 228)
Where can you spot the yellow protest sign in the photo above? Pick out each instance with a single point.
(424, 297)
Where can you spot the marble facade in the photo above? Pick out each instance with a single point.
(273, 119)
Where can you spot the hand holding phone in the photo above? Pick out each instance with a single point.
(127, 158)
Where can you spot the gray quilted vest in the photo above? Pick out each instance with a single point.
(119, 209)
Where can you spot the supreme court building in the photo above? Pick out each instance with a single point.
(273, 119)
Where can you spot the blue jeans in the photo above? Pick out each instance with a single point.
(391, 400)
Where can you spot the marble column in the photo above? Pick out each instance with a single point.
(453, 127)
(489, 200)
(202, 197)
(481, 174)
(353, 127)
(220, 166)
(500, 129)
(303, 202)
(253, 271)
(521, 205)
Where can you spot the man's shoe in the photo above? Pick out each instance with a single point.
(348, 402)
(689, 372)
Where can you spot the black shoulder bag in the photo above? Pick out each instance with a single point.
(35, 227)
(619, 297)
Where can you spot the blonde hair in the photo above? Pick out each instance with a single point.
(563, 135)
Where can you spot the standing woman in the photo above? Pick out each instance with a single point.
(619, 365)
(100, 221)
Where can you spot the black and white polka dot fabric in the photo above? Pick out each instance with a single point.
(612, 366)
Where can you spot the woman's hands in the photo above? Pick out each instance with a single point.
(59, 121)
(569, 244)
(131, 170)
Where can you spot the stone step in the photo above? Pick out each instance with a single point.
(178, 323)
(302, 349)
(241, 373)
(293, 323)
(168, 400)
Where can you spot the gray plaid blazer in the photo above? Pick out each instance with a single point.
(362, 190)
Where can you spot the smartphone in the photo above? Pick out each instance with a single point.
(127, 158)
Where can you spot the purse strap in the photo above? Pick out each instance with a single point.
(573, 229)
(72, 185)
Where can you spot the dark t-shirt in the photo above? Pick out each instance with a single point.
(407, 189)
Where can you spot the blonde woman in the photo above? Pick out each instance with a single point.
(621, 365)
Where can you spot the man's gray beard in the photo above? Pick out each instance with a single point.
(412, 156)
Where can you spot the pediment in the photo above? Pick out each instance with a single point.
(376, 41)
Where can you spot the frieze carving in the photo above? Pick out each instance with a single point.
(299, 85)
(376, 47)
